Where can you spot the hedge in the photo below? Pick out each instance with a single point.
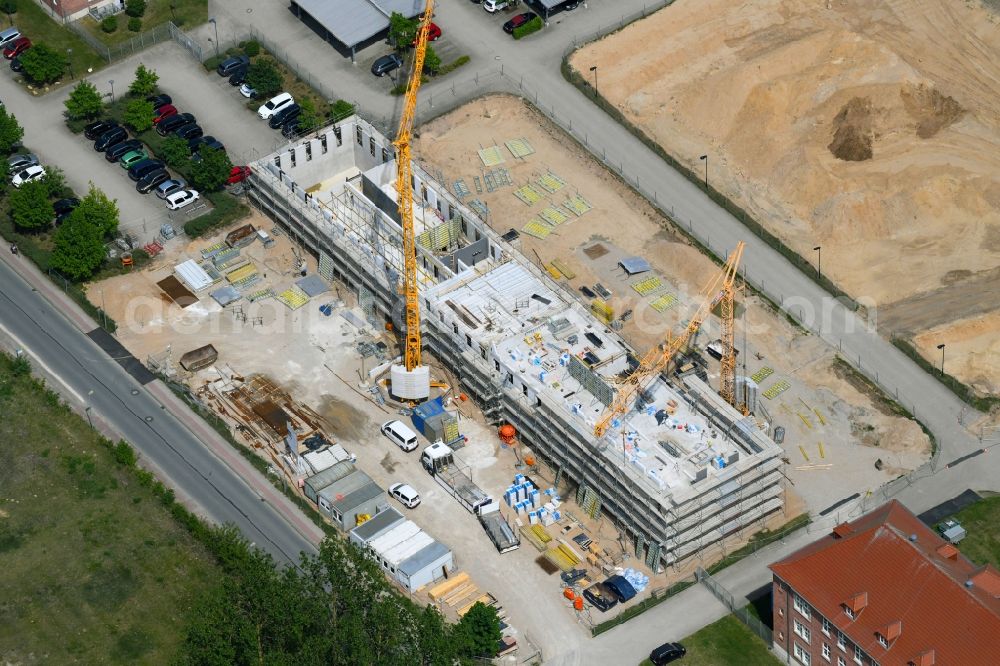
(534, 25)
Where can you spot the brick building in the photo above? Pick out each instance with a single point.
(885, 590)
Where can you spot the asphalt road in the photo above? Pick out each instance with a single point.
(91, 378)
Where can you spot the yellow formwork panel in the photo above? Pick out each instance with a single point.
(528, 195)
(491, 156)
(664, 302)
(647, 286)
(537, 228)
(554, 216)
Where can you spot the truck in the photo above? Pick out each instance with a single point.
(440, 462)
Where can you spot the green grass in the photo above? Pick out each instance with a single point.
(725, 643)
(982, 525)
(35, 23)
(186, 14)
(95, 567)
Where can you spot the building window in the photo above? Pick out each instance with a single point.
(385, 155)
(482, 352)
(336, 133)
(454, 327)
(826, 626)
(826, 651)
(840, 661)
(874, 663)
(848, 612)
(357, 133)
(882, 640)
(322, 143)
(801, 655)
(802, 631)
(371, 145)
(802, 607)
(857, 654)
(525, 389)
(496, 364)
(468, 340)
(841, 640)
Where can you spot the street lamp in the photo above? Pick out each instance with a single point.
(216, 26)
(704, 158)
(69, 61)
(819, 261)
(112, 82)
(941, 347)
(90, 420)
(594, 70)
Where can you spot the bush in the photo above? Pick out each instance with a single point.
(8, 6)
(227, 209)
(341, 109)
(264, 77)
(139, 115)
(453, 65)
(43, 64)
(135, 8)
(135, 24)
(432, 61)
(109, 24)
(251, 48)
(534, 25)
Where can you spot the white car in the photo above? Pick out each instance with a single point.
(179, 200)
(247, 91)
(406, 494)
(493, 6)
(273, 105)
(34, 172)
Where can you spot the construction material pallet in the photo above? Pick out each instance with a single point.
(293, 297)
(663, 303)
(777, 389)
(528, 195)
(647, 286)
(461, 189)
(246, 282)
(762, 374)
(220, 258)
(491, 156)
(442, 589)
(153, 249)
(241, 273)
(563, 268)
(213, 250)
(260, 295)
(503, 176)
(537, 228)
(578, 205)
(480, 207)
(519, 148)
(554, 215)
(551, 182)
(478, 183)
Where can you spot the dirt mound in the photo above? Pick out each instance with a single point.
(853, 132)
(932, 110)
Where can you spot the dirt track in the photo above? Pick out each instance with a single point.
(870, 128)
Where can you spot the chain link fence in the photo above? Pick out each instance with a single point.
(738, 606)
(141, 41)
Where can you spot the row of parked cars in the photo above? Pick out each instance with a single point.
(13, 44)
(150, 174)
(281, 111)
(24, 168)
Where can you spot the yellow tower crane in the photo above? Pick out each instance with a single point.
(657, 358)
(404, 189)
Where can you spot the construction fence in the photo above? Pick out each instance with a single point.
(141, 41)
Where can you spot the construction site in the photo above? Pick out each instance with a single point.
(855, 126)
(591, 398)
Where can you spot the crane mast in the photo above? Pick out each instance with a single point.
(657, 358)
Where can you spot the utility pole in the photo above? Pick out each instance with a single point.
(819, 261)
(594, 71)
(704, 158)
(941, 347)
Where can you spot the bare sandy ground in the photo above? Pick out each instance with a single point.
(850, 429)
(868, 127)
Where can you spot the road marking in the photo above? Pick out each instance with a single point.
(36, 359)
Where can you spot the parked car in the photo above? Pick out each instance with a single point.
(97, 128)
(400, 435)
(238, 174)
(571, 5)
(145, 167)
(164, 112)
(9, 35)
(110, 138)
(274, 105)
(20, 162)
(118, 151)
(168, 187)
(132, 157)
(16, 47)
(238, 77)
(667, 653)
(181, 198)
(197, 143)
(34, 172)
(159, 100)
(174, 122)
(406, 494)
(493, 6)
(433, 34)
(151, 180)
(247, 91)
(290, 129)
(290, 112)
(16, 65)
(518, 21)
(189, 131)
(385, 64)
(66, 205)
(230, 65)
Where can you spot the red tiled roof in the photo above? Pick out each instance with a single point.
(942, 604)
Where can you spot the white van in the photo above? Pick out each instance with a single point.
(275, 104)
(493, 6)
(401, 436)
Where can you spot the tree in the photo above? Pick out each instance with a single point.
(402, 31)
(11, 132)
(98, 211)
(139, 114)
(211, 171)
(342, 109)
(264, 77)
(478, 632)
(432, 62)
(109, 23)
(84, 101)
(175, 152)
(308, 118)
(43, 64)
(145, 81)
(78, 247)
(135, 8)
(54, 181)
(30, 207)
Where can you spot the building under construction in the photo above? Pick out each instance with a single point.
(679, 472)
